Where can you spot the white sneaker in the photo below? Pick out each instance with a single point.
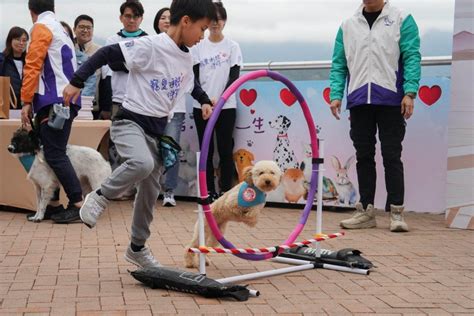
(361, 218)
(142, 258)
(397, 221)
(168, 199)
(94, 205)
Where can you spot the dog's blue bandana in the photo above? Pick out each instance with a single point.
(250, 195)
(27, 161)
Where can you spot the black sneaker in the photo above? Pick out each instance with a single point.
(50, 211)
(70, 215)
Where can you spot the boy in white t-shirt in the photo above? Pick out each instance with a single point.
(160, 73)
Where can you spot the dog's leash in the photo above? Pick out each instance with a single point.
(32, 124)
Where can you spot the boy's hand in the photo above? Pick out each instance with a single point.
(407, 107)
(71, 93)
(336, 108)
(206, 111)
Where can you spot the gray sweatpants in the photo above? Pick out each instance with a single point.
(142, 167)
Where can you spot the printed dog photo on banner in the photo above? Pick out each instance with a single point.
(270, 125)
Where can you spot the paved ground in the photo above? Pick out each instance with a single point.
(72, 270)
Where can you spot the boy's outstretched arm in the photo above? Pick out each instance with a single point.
(108, 55)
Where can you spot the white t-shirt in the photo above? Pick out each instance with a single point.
(19, 67)
(118, 78)
(160, 74)
(215, 61)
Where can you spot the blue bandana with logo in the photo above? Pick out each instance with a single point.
(250, 195)
(27, 161)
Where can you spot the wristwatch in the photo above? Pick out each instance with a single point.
(411, 95)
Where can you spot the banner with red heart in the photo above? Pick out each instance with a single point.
(326, 97)
(248, 97)
(287, 97)
(429, 95)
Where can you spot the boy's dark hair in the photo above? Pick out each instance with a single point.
(157, 19)
(83, 17)
(195, 9)
(220, 10)
(134, 5)
(40, 6)
(15, 32)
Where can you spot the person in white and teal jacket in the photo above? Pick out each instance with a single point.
(377, 56)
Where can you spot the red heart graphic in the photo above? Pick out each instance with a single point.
(287, 97)
(252, 111)
(326, 93)
(428, 95)
(248, 97)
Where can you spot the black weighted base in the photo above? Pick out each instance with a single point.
(347, 257)
(188, 282)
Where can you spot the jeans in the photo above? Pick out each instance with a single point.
(173, 129)
(223, 130)
(54, 147)
(366, 120)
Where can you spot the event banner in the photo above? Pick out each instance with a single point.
(270, 124)
(460, 186)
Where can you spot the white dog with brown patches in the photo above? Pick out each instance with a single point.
(242, 203)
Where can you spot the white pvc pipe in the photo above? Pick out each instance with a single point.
(202, 242)
(324, 265)
(345, 269)
(290, 260)
(254, 293)
(256, 275)
(319, 209)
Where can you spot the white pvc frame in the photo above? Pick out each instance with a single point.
(300, 265)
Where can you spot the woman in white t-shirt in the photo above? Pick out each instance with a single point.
(217, 65)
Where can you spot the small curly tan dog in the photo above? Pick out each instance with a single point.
(242, 203)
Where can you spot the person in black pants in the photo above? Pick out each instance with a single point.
(377, 55)
(217, 65)
(223, 131)
(43, 81)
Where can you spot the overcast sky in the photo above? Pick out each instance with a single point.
(252, 23)
(464, 16)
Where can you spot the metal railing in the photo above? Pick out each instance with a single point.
(326, 64)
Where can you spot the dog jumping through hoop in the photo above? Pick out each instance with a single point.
(243, 203)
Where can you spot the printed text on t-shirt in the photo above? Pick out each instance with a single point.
(168, 86)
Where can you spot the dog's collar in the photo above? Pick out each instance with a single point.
(250, 195)
(283, 136)
(27, 161)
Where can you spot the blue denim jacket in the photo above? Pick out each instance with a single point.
(90, 84)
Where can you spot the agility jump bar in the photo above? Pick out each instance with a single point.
(320, 237)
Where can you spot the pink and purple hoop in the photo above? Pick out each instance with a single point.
(205, 150)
